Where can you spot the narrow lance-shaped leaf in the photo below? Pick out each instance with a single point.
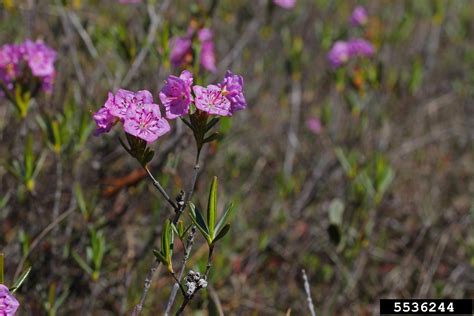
(212, 207)
(222, 233)
(228, 211)
(199, 221)
(20, 280)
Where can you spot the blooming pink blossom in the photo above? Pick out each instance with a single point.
(40, 58)
(359, 16)
(285, 4)
(8, 303)
(342, 51)
(212, 100)
(103, 118)
(339, 54)
(125, 99)
(176, 95)
(181, 48)
(16, 60)
(360, 48)
(232, 88)
(146, 122)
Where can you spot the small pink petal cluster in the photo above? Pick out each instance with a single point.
(223, 99)
(136, 110)
(18, 61)
(359, 16)
(8, 303)
(142, 118)
(181, 49)
(342, 51)
(285, 4)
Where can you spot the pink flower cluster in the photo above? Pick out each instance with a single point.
(19, 61)
(342, 51)
(142, 118)
(181, 49)
(8, 303)
(223, 99)
(136, 110)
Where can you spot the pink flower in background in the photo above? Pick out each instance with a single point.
(40, 58)
(285, 4)
(125, 99)
(176, 95)
(360, 47)
(8, 303)
(359, 16)
(181, 49)
(146, 123)
(212, 100)
(10, 57)
(339, 54)
(232, 88)
(342, 51)
(36, 57)
(130, 1)
(208, 57)
(314, 125)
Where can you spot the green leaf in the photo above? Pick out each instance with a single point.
(228, 211)
(82, 263)
(212, 207)
(81, 202)
(20, 280)
(222, 233)
(211, 137)
(159, 256)
(165, 242)
(212, 123)
(199, 221)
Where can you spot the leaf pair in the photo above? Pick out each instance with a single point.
(211, 231)
(167, 239)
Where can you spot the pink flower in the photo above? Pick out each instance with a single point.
(314, 125)
(208, 57)
(146, 123)
(285, 4)
(176, 95)
(181, 49)
(130, 1)
(360, 48)
(8, 303)
(103, 118)
(212, 100)
(232, 88)
(125, 99)
(40, 58)
(359, 16)
(339, 54)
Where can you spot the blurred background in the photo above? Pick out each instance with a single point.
(360, 173)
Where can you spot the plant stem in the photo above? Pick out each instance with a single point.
(149, 278)
(176, 286)
(308, 293)
(157, 185)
